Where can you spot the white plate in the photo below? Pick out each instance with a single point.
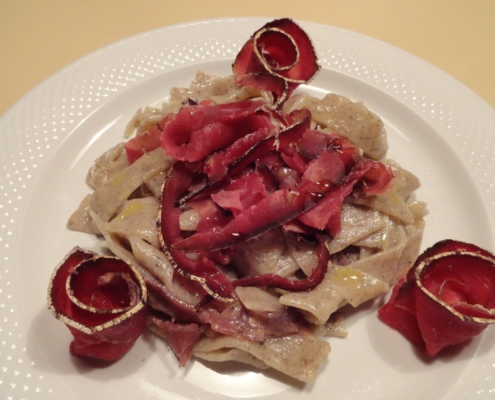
(438, 129)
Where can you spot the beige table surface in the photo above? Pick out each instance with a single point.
(37, 38)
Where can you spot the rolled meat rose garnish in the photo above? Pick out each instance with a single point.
(102, 301)
(446, 298)
(277, 58)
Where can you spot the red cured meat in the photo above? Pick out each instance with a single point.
(160, 299)
(277, 281)
(313, 143)
(263, 81)
(253, 197)
(247, 169)
(321, 215)
(272, 211)
(103, 305)
(146, 142)
(141, 144)
(197, 131)
(323, 172)
(446, 297)
(236, 320)
(277, 58)
(241, 194)
(202, 270)
(181, 337)
(217, 165)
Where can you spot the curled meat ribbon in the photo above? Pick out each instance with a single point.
(277, 58)
(102, 300)
(446, 298)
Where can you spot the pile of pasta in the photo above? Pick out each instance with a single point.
(378, 241)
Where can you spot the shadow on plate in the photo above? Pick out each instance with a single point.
(383, 339)
(47, 347)
(232, 368)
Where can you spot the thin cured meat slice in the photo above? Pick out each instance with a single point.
(446, 298)
(181, 337)
(294, 285)
(277, 58)
(217, 165)
(242, 193)
(373, 176)
(272, 211)
(201, 270)
(197, 131)
(102, 300)
(148, 141)
(237, 320)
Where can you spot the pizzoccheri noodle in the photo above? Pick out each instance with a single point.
(265, 326)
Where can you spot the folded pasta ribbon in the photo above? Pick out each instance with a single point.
(446, 299)
(102, 301)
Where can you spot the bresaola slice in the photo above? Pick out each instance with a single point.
(197, 131)
(147, 142)
(102, 300)
(181, 337)
(277, 281)
(446, 298)
(277, 58)
(292, 173)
